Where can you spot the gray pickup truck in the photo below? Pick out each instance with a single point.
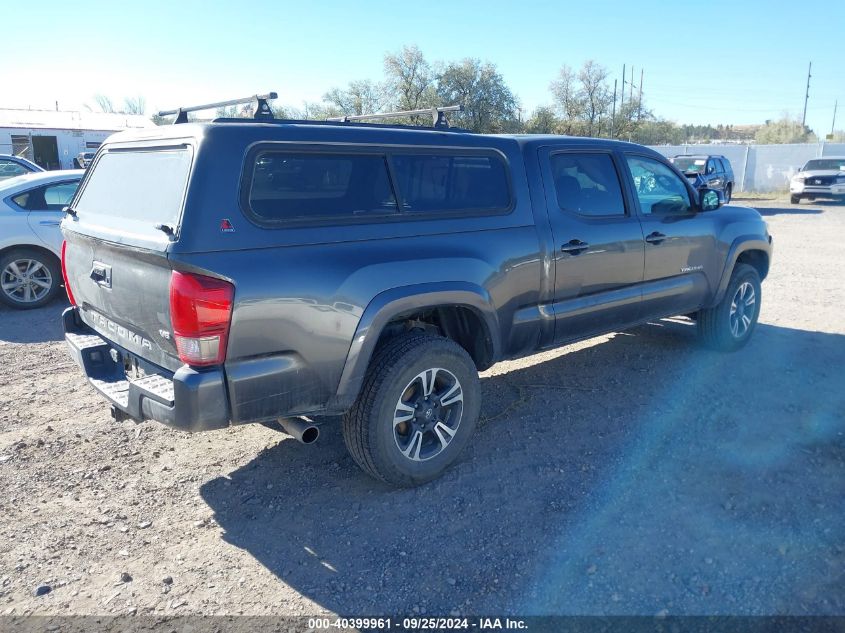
(264, 270)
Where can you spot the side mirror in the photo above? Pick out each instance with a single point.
(708, 199)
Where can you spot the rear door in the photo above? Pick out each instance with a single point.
(599, 241)
(44, 211)
(127, 210)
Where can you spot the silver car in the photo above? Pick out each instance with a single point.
(819, 178)
(30, 238)
(11, 166)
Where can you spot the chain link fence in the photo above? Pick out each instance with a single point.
(760, 168)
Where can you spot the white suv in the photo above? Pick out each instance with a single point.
(30, 238)
(819, 178)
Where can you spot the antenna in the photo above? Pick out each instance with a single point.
(437, 114)
(262, 112)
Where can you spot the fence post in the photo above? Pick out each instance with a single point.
(744, 168)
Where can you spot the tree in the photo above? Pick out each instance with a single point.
(542, 121)
(409, 77)
(658, 132)
(489, 105)
(595, 96)
(361, 97)
(785, 130)
(583, 99)
(104, 103)
(568, 100)
(135, 105)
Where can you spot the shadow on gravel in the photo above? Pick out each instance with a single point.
(33, 326)
(796, 210)
(636, 475)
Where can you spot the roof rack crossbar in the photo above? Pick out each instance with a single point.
(437, 114)
(263, 110)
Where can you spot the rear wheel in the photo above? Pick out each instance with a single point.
(795, 199)
(729, 325)
(417, 409)
(28, 278)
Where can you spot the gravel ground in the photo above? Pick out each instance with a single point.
(632, 473)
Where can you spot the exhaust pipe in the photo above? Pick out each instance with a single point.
(300, 430)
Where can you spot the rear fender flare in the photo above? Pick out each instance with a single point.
(391, 303)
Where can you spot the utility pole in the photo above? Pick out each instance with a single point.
(806, 96)
(833, 125)
(613, 111)
(640, 104)
(631, 96)
(622, 99)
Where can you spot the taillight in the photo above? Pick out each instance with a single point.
(64, 275)
(200, 312)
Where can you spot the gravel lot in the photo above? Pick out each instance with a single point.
(629, 474)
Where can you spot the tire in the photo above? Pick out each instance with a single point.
(38, 268)
(76, 164)
(728, 192)
(795, 199)
(412, 452)
(721, 327)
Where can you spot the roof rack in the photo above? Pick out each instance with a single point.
(263, 110)
(437, 114)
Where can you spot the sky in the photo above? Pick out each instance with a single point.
(712, 62)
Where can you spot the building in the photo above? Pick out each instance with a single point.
(53, 139)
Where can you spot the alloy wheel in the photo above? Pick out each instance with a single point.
(428, 414)
(26, 280)
(743, 306)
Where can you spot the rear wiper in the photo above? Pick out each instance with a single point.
(167, 229)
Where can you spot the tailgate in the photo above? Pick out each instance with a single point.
(123, 294)
(116, 251)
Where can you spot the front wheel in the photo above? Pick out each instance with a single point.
(728, 192)
(28, 278)
(417, 409)
(795, 199)
(729, 325)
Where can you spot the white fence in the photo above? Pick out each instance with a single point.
(760, 167)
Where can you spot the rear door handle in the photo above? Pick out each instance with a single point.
(655, 238)
(50, 222)
(574, 247)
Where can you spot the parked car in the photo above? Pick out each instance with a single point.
(251, 271)
(12, 166)
(83, 159)
(712, 171)
(30, 237)
(819, 178)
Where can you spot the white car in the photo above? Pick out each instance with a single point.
(30, 238)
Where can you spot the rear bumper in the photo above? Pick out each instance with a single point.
(188, 399)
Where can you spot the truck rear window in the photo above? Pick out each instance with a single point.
(134, 190)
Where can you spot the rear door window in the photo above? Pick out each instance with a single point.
(47, 198)
(289, 186)
(587, 184)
